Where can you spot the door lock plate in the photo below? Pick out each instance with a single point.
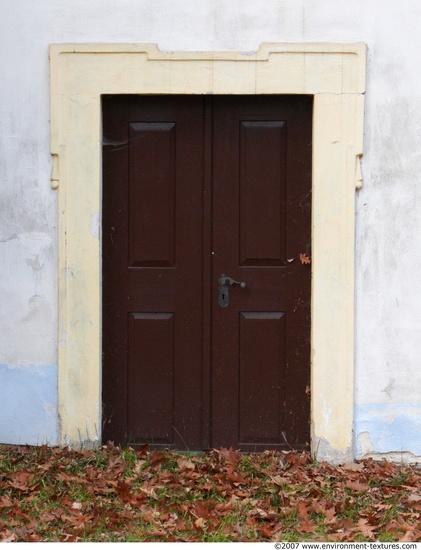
(224, 283)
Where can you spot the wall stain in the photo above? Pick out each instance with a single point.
(34, 263)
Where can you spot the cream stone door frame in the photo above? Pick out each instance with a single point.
(335, 75)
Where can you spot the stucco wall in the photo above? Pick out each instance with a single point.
(388, 257)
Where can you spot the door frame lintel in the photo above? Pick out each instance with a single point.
(335, 75)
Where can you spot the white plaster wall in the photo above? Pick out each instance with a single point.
(388, 293)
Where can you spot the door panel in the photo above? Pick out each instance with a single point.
(261, 377)
(262, 149)
(151, 361)
(195, 188)
(152, 186)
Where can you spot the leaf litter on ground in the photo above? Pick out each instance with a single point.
(125, 494)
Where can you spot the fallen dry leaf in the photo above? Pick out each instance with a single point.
(200, 522)
(366, 529)
(230, 455)
(353, 466)
(302, 509)
(266, 531)
(306, 526)
(8, 537)
(305, 259)
(357, 486)
(411, 536)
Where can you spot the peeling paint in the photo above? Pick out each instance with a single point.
(38, 307)
(387, 428)
(365, 443)
(8, 239)
(34, 263)
(95, 225)
(327, 411)
(82, 444)
(322, 451)
(403, 457)
(390, 388)
(63, 334)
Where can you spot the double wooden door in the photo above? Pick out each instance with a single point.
(201, 193)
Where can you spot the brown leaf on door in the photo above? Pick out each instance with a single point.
(305, 259)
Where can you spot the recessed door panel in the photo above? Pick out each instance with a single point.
(262, 365)
(152, 180)
(262, 192)
(151, 363)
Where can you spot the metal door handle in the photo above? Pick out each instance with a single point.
(228, 281)
(224, 283)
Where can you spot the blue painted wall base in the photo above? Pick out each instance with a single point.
(28, 404)
(391, 427)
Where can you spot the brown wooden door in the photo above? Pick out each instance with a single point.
(195, 188)
(261, 219)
